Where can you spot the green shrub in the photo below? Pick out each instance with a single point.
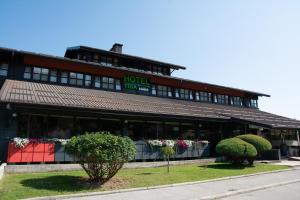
(236, 150)
(260, 143)
(101, 154)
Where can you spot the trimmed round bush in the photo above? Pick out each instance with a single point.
(101, 154)
(260, 143)
(236, 150)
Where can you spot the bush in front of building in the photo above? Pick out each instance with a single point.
(101, 154)
(261, 144)
(236, 150)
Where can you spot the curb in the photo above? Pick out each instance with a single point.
(159, 186)
(248, 190)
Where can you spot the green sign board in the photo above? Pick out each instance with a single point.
(136, 83)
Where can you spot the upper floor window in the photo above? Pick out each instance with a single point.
(184, 94)
(27, 73)
(106, 61)
(108, 83)
(221, 99)
(3, 69)
(87, 80)
(40, 74)
(53, 76)
(177, 94)
(118, 85)
(162, 90)
(254, 103)
(76, 78)
(170, 94)
(64, 78)
(97, 83)
(153, 90)
(237, 101)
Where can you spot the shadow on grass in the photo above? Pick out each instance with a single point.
(145, 173)
(227, 166)
(63, 183)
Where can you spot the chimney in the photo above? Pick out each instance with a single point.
(117, 48)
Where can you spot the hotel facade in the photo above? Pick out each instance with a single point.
(43, 97)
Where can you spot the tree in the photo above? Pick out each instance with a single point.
(167, 152)
(101, 154)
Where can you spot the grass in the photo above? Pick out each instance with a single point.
(16, 186)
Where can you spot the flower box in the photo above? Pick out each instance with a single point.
(34, 151)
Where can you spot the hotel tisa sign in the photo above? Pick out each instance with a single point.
(136, 83)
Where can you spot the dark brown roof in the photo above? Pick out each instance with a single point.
(24, 92)
(128, 70)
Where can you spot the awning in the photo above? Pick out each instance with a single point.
(33, 93)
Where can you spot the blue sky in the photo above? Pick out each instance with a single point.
(253, 45)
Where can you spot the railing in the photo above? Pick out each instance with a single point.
(55, 152)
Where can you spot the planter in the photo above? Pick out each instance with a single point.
(32, 152)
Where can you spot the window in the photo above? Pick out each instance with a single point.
(109, 62)
(64, 78)
(204, 97)
(27, 73)
(108, 83)
(170, 92)
(153, 91)
(118, 85)
(154, 69)
(40, 73)
(177, 95)
(236, 101)
(76, 78)
(162, 90)
(3, 69)
(88, 80)
(53, 76)
(95, 58)
(220, 99)
(191, 95)
(159, 70)
(254, 103)
(184, 94)
(97, 83)
(197, 96)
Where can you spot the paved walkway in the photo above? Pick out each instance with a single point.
(203, 190)
(286, 192)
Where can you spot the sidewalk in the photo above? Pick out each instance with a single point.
(200, 190)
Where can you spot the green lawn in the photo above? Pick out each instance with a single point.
(16, 186)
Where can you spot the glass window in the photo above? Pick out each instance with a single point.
(76, 78)
(3, 69)
(154, 69)
(111, 83)
(170, 92)
(153, 91)
(191, 95)
(254, 103)
(37, 73)
(109, 62)
(204, 96)
(197, 96)
(53, 76)
(159, 70)
(108, 83)
(103, 60)
(236, 101)
(64, 78)
(27, 73)
(222, 99)
(118, 84)
(162, 90)
(44, 75)
(177, 95)
(97, 83)
(40, 73)
(88, 80)
(184, 94)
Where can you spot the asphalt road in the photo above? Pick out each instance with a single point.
(209, 189)
(284, 192)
